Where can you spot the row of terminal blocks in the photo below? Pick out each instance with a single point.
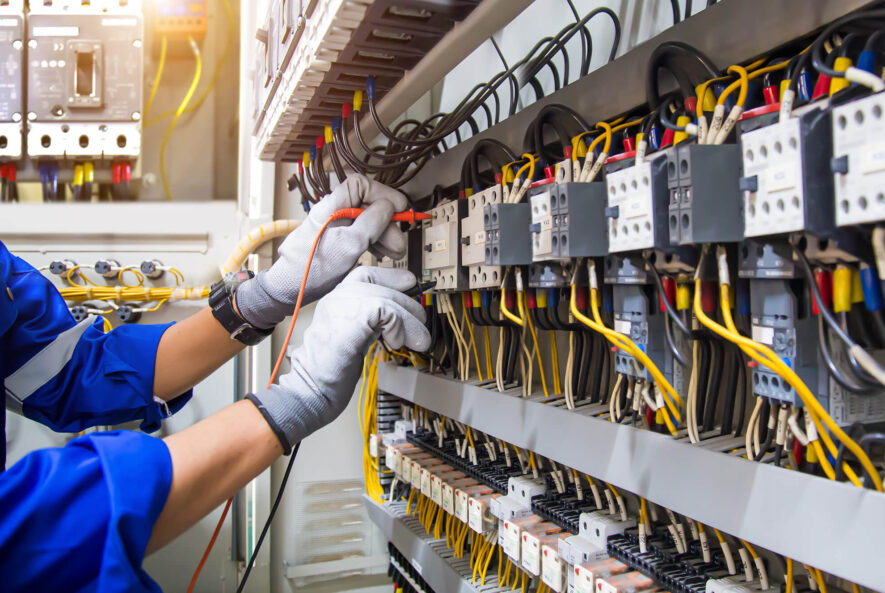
(71, 82)
(561, 532)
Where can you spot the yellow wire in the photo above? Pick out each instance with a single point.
(137, 273)
(765, 356)
(198, 70)
(506, 312)
(231, 34)
(789, 577)
(488, 350)
(750, 549)
(160, 66)
(520, 299)
(607, 134)
(625, 343)
(473, 345)
(742, 82)
(554, 361)
(157, 306)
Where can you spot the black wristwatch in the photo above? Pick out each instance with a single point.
(221, 300)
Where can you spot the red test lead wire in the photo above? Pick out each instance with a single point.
(410, 216)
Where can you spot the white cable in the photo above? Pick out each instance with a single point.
(748, 436)
(867, 79)
(869, 364)
(733, 116)
(786, 109)
(715, 124)
(793, 423)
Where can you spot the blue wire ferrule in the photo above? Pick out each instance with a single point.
(485, 298)
(654, 138)
(867, 60)
(336, 123)
(806, 88)
(313, 153)
(742, 294)
(370, 88)
(552, 298)
(872, 288)
(608, 298)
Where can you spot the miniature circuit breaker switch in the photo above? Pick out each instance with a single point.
(85, 80)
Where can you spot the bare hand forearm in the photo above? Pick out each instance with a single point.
(211, 461)
(190, 351)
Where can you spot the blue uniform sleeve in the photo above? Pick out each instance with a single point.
(71, 376)
(79, 518)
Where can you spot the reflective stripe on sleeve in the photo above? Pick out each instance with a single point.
(45, 365)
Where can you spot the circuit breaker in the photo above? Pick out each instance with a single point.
(85, 79)
(637, 206)
(441, 253)
(859, 161)
(473, 241)
(781, 318)
(635, 316)
(787, 184)
(705, 202)
(12, 100)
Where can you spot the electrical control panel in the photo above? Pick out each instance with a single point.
(441, 249)
(12, 97)
(787, 184)
(85, 79)
(637, 206)
(705, 202)
(859, 161)
(473, 240)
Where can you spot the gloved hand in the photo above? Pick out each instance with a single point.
(327, 365)
(268, 298)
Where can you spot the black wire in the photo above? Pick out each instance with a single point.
(270, 516)
(832, 367)
(674, 4)
(668, 306)
(714, 387)
(687, 9)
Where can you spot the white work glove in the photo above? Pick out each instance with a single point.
(268, 298)
(369, 302)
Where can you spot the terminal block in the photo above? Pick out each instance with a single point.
(859, 161)
(781, 317)
(787, 185)
(553, 209)
(507, 238)
(705, 201)
(12, 97)
(442, 257)
(637, 206)
(473, 241)
(85, 80)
